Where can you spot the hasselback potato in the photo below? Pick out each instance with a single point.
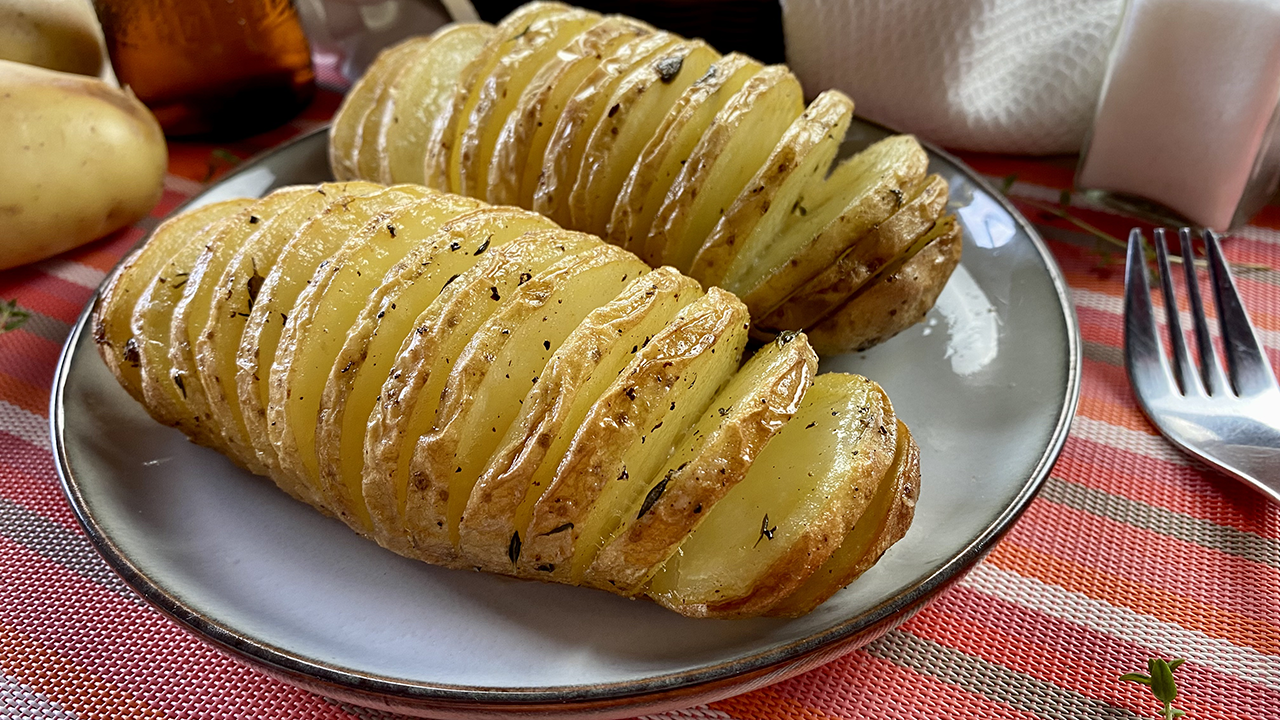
(711, 164)
(475, 387)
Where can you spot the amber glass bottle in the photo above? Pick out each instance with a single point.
(223, 68)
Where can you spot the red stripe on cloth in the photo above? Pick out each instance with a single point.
(1215, 494)
(1117, 590)
(1205, 575)
(860, 685)
(34, 398)
(1073, 656)
(32, 482)
(146, 656)
(45, 294)
(105, 253)
(45, 669)
(1054, 172)
(1172, 488)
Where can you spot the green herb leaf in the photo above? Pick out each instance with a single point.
(1008, 182)
(1162, 685)
(12, 316)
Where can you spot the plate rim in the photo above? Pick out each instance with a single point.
(782, 660)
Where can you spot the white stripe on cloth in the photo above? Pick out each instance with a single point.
(1103, 302)
(73, 272)
(25, 425)
(1167, 638)
(1154, 447)
(20, 701)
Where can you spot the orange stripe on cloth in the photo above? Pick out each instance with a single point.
(1199, 573)
(32, 397)
(1153, 601)
(71, 685)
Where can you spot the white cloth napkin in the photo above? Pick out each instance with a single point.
(1014, 76)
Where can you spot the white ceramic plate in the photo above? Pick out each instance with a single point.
(988, 385)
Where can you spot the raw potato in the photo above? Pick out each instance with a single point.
(710, 164)
(475, 387)
(81, 159)
(60, 35)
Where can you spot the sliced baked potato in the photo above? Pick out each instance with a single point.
(412, 389)
(714, 457)
(803, 494)
(114, 309)
(522, 142)
(629, 433)
(589, 360)
(639, 103)
(370, 348)
(478, 388)
(899, 298)
(489, 379)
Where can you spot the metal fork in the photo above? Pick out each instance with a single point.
(1233, 426)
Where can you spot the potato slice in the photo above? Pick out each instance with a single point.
(629, 433)
(165, 392)
(728, 155)
(860, 193)
(798, 164)
(830, 288)
(348, 122)
(324, 312)
(498, 92)
(370, 349)
(233, 297)
(440, 166)
(897, 299)
(884, 523)
(673, 142)
(113, 310)
(410, 395)
(640, 102)
(419, 94)
(563, 157)
(792, 510)
(191, 313)
(289, 274)
(522, 142)
(489, 380)
(588, 361)
(369, 141)
(713, 458)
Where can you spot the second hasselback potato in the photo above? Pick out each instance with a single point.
(711, 164)
(475, 387)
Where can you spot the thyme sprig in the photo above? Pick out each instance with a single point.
(12, 316)
(1161, 683)
(1061, 211)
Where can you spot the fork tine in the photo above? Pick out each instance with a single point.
(1250, 371)
(1183, 369)
(1215, 381)
(1144, 357)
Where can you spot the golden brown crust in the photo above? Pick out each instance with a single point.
(763, 396)
(876, 250)
(619, 421)
(891, 304)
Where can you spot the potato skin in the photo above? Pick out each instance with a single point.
(60, 35)
(81, 159)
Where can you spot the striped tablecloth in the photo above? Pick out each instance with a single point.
(1130, 552)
